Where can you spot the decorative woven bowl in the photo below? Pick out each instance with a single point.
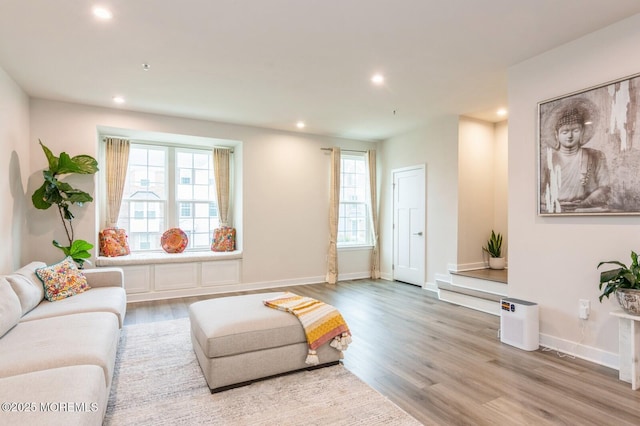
(174, 240)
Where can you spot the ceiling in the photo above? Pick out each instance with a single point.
(272, 63)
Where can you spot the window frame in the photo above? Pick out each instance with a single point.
(172, 204)
(359, 156)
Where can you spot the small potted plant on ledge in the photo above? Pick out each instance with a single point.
(624, 282)
(494, 248)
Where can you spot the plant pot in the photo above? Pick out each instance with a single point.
(497, 262)
(629, 300)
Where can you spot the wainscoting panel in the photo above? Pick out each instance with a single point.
(176, 276)
(137, 279)
(160, 276)
(220, 273)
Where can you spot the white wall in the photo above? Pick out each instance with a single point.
(552, 260)
(285, 183)
(435, 145)
(501, 182)
(476, 194)
(14, 169)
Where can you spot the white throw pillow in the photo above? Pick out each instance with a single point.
(27, 286)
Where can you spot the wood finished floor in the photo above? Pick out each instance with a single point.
(445, 365)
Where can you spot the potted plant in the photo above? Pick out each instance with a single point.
(624, 282)
(63, 196)
(494, 248)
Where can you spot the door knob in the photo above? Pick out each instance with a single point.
(418, 233)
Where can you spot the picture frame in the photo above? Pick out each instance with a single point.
(589, 151)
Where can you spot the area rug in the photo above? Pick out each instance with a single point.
(158, 381)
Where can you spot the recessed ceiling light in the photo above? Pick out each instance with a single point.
(102, 13)
(300, 124)
(502, 112)
(118, 99)
(377, 79)
(146, 66)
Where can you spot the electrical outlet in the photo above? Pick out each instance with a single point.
(584, 309)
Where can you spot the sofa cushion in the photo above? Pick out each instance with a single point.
(76, 339)
(62, 280)
(83, 403)
(27, 286)
(10, 309)
(101, 299)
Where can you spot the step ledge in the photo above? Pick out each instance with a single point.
(477, 304)
(442, 285)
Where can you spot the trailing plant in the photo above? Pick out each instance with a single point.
(622, 277)
(494, 245)
(56, 192)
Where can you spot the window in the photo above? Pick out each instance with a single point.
(166, 187)
(354, 222)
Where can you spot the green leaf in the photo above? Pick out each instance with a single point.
(612, 262)
(52, 159)
(78, 251)
(81, 164)
(39, 198)
(66, 212)
(86, 163)
(64, 249)
(80, 245)
(78, 197)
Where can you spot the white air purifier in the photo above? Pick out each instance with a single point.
(519, 325)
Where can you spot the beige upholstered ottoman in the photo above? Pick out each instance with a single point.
(238, 340)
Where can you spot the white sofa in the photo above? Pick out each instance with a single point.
(57, 358)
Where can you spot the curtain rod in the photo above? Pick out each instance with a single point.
(346, 150)
(143, 142)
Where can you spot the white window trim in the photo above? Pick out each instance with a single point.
(342, 246)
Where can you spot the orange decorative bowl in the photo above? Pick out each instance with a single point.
(174, 240)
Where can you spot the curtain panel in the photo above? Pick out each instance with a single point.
(334, 206)
(221, 160)
(373, 214)
(117, 159)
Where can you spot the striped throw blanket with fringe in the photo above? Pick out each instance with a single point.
(321, 322)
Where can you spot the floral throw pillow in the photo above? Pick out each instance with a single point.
(62, 280)
(113, 242)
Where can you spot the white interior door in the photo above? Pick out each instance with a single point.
(409, 233)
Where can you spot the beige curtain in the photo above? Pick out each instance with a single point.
(375, 253)
(334, 207)
(221, 163)
(117, 158)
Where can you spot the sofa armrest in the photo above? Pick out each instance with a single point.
(104, 277)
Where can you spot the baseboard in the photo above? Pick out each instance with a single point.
(452, 267)
(446, 278)
(354, 276)
(588, 353)
(430, 287)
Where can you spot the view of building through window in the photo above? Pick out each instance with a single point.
(354, 227)
(168, 187)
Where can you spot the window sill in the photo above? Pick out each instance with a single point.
(351, 248)
(157, 257)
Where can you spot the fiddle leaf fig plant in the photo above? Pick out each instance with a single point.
(61, 194)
